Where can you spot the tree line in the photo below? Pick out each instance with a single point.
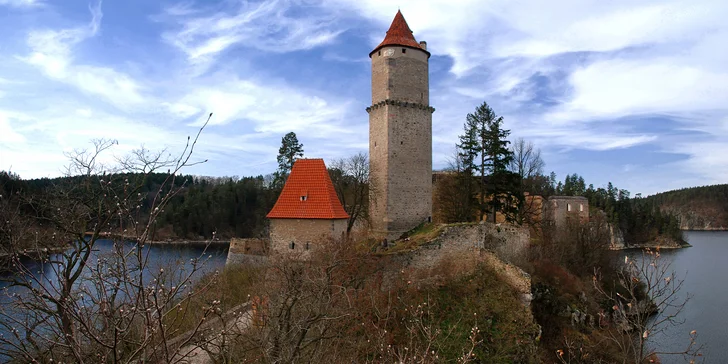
(488, 175)
(224, 206)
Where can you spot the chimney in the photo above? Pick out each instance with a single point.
(423, 45)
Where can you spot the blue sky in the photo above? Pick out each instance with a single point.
(633, 92)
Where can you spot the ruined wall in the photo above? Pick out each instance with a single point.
(559, 210)
(400, 141)
(298, 236)
(247, 252)
(470, 244)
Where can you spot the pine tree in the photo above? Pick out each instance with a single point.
(484, 147)
(289, 151)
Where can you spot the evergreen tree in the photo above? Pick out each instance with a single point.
(289, 151)
(485, 150)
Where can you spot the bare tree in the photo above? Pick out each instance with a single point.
(647, 299)
(351, 179)
(82, 305)
(454, 192)
(526, 161)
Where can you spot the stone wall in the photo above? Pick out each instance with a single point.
(561, 209)
(247, 252)
(245, 259)
(467, 245)
(400, 142)
(400, 76)
(298, 236)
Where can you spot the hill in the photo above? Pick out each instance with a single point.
(697, 208)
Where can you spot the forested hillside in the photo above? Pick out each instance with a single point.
(228, 206)
(697, 208)
(639, 219)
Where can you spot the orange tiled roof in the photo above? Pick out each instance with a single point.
(400, 34)
(308, 178)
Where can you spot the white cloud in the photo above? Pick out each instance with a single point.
(616, 88)
(264, 26)
(21, 3)
(272, 108)
(52, 51)
(7, 134)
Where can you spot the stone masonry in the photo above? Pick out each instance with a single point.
(400, 134)
(560, 210)
(298, 236)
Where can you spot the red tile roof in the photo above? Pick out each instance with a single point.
(399, 34)
(308, 178)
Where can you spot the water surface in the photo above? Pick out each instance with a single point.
(704, 267)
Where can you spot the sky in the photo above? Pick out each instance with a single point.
(627, 91)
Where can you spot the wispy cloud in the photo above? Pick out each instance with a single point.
(21, 3)
(52, 51)
(265, 26)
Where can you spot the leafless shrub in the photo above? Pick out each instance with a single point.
(646, 300)
(83, 306)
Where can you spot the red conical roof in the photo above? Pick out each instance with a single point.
(308, 194)
(399, 33)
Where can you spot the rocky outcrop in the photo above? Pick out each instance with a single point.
(691, 220)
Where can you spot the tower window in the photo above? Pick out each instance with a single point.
(404, 50)
(568, 207)
(307, 245)
(292, 245)
(581, 207)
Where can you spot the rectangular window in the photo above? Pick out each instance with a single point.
(568, 207)
(581, 207)
(307, 245)
(293, 245)
(404, 50)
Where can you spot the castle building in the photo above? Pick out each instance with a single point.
(307, 212)
(400, 133)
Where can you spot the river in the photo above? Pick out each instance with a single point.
(704, 268)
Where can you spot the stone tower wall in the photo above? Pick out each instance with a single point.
(400, 141)
(283, 232)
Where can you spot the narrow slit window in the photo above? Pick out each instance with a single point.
(568, 207)
(292, 245)
(308, 246)
(581, 207)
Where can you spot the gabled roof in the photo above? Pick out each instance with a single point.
(399, 33)
(308, 194)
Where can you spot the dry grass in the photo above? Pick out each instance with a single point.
(231, 287)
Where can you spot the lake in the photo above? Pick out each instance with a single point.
(174, 258)
(704, 267)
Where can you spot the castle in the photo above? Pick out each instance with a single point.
(400, 157)
(400, 163)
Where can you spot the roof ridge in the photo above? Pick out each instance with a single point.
(399, 33)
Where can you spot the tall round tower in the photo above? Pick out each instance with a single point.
(400, 133)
